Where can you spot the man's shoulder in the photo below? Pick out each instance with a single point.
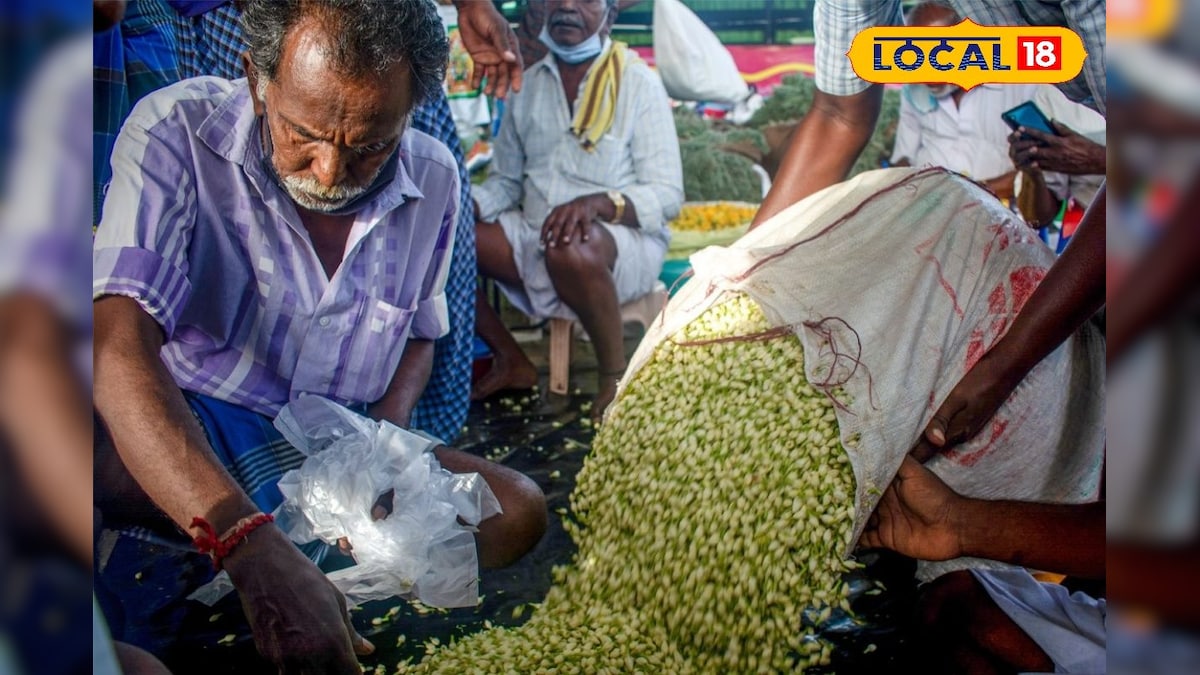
(189, 100)
(638, 72)
(420, 146)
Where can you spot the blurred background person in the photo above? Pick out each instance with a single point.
(46, 514)
(947, 126)
(1153, 260)
(1059, 173)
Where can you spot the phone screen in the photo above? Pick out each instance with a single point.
(1028, 115)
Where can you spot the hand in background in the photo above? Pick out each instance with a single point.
(492, 44)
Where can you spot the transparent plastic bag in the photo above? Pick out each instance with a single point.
(420, 551)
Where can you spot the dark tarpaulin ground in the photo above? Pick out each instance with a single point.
(546, 438)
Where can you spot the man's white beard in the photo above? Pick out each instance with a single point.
(310, 194)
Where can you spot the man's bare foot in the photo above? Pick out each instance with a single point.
(504, 375)
(606, 391)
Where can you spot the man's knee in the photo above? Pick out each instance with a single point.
(503, 538)
(945, 599)
(577, 260)
(524, 520)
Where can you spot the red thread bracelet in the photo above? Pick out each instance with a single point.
(218, 548)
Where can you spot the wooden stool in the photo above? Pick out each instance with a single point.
(642, 311)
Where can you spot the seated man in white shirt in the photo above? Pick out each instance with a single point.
(572, 218)
(943, 125)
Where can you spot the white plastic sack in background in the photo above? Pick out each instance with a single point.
(692, 62)
(420, 550)
(896, 282)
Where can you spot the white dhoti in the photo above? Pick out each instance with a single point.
(640, 258)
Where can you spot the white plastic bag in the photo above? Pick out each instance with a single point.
(896, 282)
(692, 62)
(420, 550)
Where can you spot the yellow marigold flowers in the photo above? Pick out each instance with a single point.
(712, 216)
(710, 517)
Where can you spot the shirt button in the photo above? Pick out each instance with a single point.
(324, 321)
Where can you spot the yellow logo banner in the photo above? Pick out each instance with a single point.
(967, 54)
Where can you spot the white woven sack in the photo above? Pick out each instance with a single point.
(692, 62)
(896, 282)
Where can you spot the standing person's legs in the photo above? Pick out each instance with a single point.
(511, 369)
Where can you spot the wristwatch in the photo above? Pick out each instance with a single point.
(618, 201)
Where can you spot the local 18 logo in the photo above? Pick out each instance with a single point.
(967, 54)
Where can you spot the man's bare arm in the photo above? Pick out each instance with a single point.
(407, 385)
(823, 148)
(921, 517)
(299, 618)
(155, 433)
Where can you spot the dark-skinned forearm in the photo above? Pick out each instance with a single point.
(823, 148)
(407, 385)
(607, 211)
(155, 433)
(1061, 538)
(1071, 292)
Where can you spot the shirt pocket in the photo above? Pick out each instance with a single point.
(376, 343)
(603, 167)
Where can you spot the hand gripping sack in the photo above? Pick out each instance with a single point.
(895, 283)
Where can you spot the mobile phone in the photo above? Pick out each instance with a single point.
(1028, 115)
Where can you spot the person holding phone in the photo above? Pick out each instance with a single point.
(944, 125)
(1058, 147)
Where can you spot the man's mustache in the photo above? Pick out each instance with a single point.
(565, 18)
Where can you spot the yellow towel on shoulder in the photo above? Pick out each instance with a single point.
(595, 112)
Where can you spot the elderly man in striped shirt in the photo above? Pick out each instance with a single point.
(266, 239)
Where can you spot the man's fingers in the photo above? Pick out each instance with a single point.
(477, 77)
(515, 71)
(1035, 134)
(1062, 129)
(362, 646)
(383, 505)
(923, 452)
(500, 74)
(935, 432)
(909, 467)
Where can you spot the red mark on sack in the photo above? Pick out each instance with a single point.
(922, 250)
(999, 426)
(1004, 302)
(1025, 281)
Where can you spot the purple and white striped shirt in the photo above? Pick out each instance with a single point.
(195, 230)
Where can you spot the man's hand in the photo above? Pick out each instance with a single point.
(915, 516)
(1067, 152)
(572, 221)
(968, 406)
(492, 45)
(298, 617)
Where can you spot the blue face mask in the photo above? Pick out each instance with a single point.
(588, 49)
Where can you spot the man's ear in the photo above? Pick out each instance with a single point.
(252, 80)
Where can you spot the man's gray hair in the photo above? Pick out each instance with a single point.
(365, 37)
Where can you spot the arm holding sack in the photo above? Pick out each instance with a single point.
(1072, 291)
(921, 517)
